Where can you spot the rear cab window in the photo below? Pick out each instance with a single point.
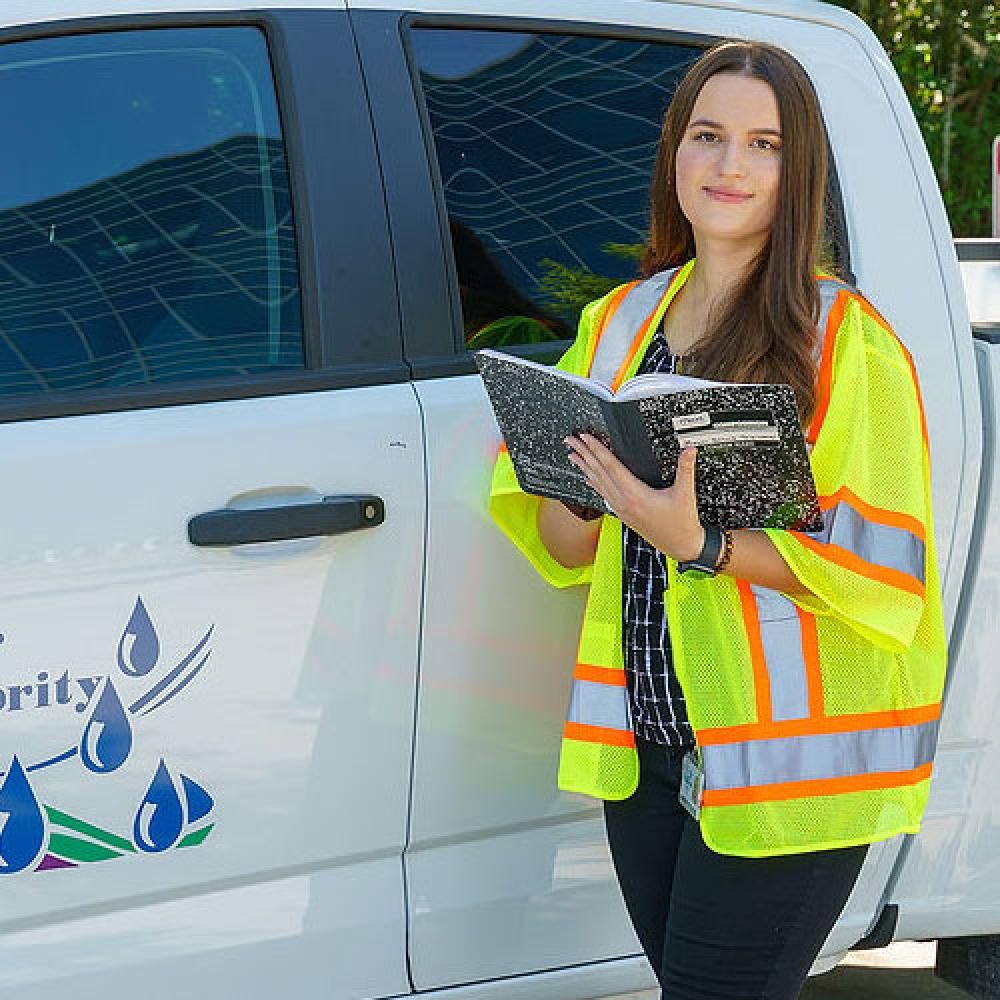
(151, 238)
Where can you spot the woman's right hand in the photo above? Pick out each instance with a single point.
(570, 540)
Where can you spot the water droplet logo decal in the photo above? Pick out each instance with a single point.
(159, 819)
(107, 736)
(199, 802)
(22, 826)
(139, 646)
(105, 716)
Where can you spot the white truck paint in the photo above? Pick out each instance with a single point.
(386, 818)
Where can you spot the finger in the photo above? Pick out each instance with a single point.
(583, 454)
(597, 448)
(612, 472)
(580, 456)
(577, 446)
(578, 453)
(594, 473)
(602, 459)
(621, 490)
(598, 485)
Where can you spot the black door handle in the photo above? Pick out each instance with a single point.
(329, 516)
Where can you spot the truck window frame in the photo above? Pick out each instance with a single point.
(436, 356)
(305, 101)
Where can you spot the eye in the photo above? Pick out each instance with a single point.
(705, 137)
(769, 144)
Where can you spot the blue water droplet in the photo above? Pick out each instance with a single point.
(199, 802)
(139, 646)
(22, 826)
(107, 737)
(160, 816)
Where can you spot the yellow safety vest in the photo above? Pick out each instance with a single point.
(816, 716)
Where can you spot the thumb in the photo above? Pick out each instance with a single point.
(685, 471)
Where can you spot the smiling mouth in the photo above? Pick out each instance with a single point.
(729, 196)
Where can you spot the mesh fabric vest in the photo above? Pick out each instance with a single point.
(816, 716)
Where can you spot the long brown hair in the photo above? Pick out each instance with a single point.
(766, 329)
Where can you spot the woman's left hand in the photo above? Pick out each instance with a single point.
(667, 518)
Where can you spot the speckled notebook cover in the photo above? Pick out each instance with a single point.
(753, 467)
(535, 411)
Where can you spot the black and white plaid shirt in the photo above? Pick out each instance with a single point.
(655, 699)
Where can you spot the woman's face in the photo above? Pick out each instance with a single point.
(729, 160)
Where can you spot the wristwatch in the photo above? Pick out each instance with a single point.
(704, 564)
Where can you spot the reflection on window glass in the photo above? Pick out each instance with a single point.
(145, 220)
(545, 145)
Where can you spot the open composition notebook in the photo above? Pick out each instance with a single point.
(753, 466)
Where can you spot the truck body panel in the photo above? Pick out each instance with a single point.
(946, 888)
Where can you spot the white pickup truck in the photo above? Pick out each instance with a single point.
(279, 708)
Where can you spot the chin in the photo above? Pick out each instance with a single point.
(735, 234)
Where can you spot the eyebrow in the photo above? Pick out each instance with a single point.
(757, 131)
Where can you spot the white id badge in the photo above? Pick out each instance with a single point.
(692, 781)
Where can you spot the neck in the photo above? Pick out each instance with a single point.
(719, 268)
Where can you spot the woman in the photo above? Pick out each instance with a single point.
(799, 677)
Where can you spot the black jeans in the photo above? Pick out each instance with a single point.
(716, 927)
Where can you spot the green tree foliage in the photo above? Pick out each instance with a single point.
(948, 57)
(566, 290)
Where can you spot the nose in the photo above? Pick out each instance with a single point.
(731, 162)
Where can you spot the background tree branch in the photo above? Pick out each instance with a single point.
(948, 56)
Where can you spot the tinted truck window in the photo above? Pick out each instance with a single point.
(145, 221)
(545, 145)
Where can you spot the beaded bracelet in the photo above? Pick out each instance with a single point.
(727, 550)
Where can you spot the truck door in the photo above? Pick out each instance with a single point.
(536, 141)
(213, 507)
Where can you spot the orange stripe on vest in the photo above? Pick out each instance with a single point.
(827, 724)
(600, 675)
(641, 336)
(610, 310)
(809, 789)
(833, 322)
(880, 574)
(810, 656)
(761, 678)
(891, 518)
(598, 734)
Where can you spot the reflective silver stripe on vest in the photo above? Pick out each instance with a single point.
(625, 323)
(781, 639)
(639, 304)
(596, 704)
(878, 544)
(829, 289)
(817, 757)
